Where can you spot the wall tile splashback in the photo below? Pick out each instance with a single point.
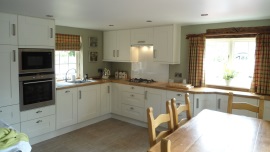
(146, 68)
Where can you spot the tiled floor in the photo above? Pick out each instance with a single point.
(110, 135)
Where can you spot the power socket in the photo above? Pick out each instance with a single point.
(178, 74)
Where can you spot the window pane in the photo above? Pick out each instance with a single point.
(64, 61)
(237, 55)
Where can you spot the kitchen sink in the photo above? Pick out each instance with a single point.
(79, 81)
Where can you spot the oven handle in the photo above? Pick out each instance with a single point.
(37, 82)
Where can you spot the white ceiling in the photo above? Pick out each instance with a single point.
(99, 14)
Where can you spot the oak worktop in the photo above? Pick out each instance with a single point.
(161, 85)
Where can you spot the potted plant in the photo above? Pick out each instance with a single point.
(228, 75)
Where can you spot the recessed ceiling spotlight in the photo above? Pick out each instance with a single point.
(149, 21)
(204, 14)
(49, 15)
(111, 25)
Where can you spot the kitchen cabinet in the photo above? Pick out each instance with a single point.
(38, 121)
(117, 46)
(116, 98)
(180, 99)
(11, 115)
(142, 36)
(155, 98)
(66, 107)
(8, 29)
(245, 112)
(204, 101)
(266, 115)
(35, 32)
(167, 44)
(9, 88)
(133, 102)
(105, 98)
(88, 102)
(222, 103)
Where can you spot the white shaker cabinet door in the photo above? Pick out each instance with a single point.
(105, 98)
(36, 32)
(9, 88)
(66, 107)
(8, 29)
(110, 45)
(88, 102)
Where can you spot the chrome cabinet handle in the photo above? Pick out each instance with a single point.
(179, 95)
(67, 91)
(109, 89)
(154, 53)
(37, 81)
(39, 111)
(39, 121)
(117, 53)
(14, 56)
(145, 95)
(141, 41)
(219, 103)
(80, 94)
(113, 53)
(51, 29)
(13, 29)
(197, 103)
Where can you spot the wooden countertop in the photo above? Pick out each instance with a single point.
(164, 86)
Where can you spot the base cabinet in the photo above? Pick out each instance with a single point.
(38, 121)
(66, 107)
(88, 102)
(105, 98)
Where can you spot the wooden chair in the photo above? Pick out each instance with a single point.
(165, 145)
(181, 108)
(246, 106)
(154, 123)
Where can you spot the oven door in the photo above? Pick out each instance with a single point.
(36, 91)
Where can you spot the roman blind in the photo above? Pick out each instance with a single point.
(67, 42)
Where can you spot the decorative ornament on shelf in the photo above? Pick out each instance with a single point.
(228, 75)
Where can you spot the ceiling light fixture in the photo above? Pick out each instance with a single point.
(204, 14)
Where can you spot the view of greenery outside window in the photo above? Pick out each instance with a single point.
(65, 60)
(230, 59)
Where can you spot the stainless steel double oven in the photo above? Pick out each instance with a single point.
(36, 78)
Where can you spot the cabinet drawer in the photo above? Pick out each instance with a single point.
(38, 126)
(37, 113)
(177, 95)
(134, 89)
(133, 99)
(133, 112)
(10, 114)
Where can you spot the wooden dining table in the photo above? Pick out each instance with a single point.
(212, 131)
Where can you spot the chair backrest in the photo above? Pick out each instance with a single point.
(154, 123)
(181, 108)
(246, 106)
(165, 145)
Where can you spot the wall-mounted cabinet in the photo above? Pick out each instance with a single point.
(117, 46)
(167, 44)
(36, 32)
(8, 29)
(142, 36)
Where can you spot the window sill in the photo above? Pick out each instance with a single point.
(228, 88)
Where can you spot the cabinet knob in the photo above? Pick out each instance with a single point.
(132, 95)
